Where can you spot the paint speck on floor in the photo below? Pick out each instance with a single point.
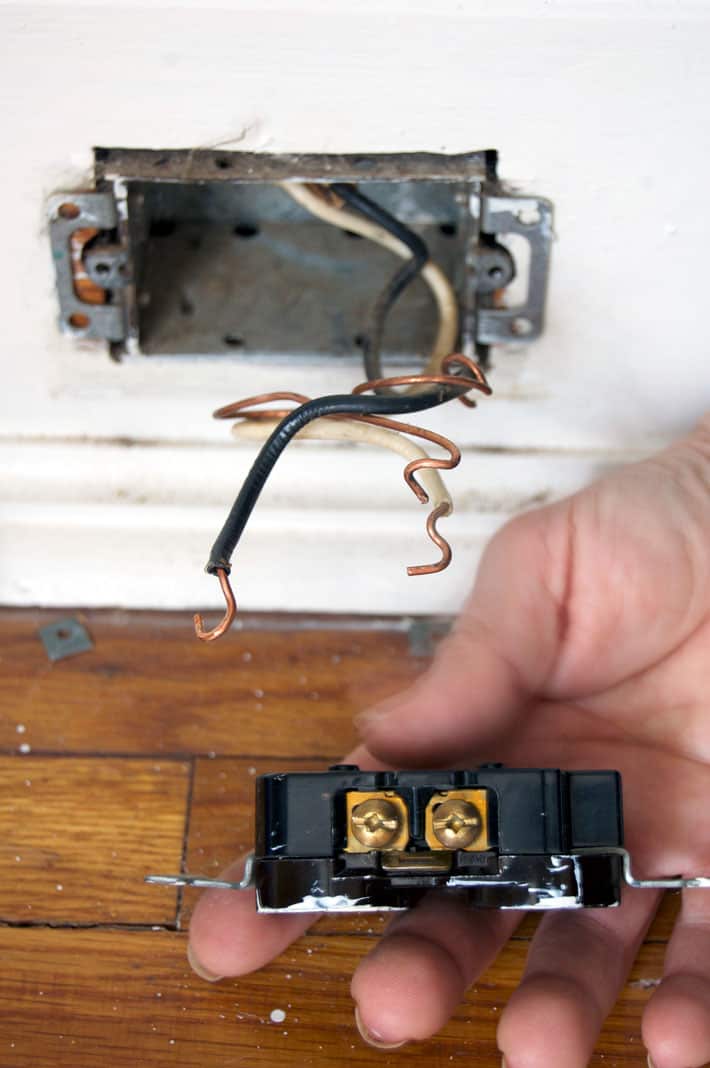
(20, 728)
(25, 748)
(277, 1016)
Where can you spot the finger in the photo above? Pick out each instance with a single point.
(676, 1023)
(501, 650)
(576, 966)
(229, 937)
(413, 980)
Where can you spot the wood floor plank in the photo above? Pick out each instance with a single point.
(77, 835)
(94, 824)
(148, 686)
(75, 999)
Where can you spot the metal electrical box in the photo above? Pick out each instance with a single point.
(183, 252)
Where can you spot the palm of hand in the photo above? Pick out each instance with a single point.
(585, 644)
(615, 671)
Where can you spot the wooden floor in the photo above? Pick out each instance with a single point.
(140, 755)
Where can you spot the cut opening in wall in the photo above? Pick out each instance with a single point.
(242, 268)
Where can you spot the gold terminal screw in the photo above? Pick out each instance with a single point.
(376, 822)
(456, 823)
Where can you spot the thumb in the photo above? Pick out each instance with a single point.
(498, 654)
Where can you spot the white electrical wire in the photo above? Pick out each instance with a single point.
(441, 288)
(365, 433)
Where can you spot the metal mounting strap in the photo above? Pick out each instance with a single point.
(673, 882)
(204, 882)
(68, 213)
(531, 218)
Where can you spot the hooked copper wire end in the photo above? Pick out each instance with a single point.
(230, 611)
(453, 450)
(429, 569)
(457, 359)
(453, 460)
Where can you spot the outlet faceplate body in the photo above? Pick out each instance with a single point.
(351, 840)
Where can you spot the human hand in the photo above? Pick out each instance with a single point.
(585, 644)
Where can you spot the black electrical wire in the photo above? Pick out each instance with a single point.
(345, 404)
(404, 276)
(372, 340)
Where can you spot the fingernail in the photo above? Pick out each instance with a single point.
(371, 1037)
(199, 969)
(368, 719)
(364, 720)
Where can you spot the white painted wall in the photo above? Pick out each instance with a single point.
(114, 480)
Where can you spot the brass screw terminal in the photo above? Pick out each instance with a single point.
(376, 819)
(458, 819)
(376, 823)
(456, 823)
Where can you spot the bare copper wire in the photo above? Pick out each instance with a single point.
(458, 359)
(474, 380)
(230, 611)
(413, 466)
(430, 569)
(411, 380)
(235, 409)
